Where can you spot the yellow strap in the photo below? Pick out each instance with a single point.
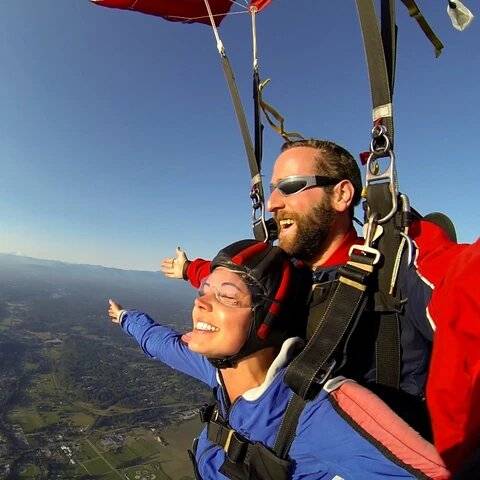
(415, 13)
(229, 439)
(270, 112)
(353, 284)
(361, 266)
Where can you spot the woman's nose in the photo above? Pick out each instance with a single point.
(204, 301)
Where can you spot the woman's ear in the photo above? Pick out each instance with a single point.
(342, 197)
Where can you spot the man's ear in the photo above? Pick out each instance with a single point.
(342, 196)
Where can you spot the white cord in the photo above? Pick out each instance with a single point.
(220, 46)
(253, 12)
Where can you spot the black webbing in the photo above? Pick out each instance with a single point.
(258, 126)
(387, 301)
(389, 38)
(381, 76)
(316, 361)
(230, 440)
(325, 351)
(387, 351)
(286, 433)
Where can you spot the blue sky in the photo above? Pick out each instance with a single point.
(118, 140)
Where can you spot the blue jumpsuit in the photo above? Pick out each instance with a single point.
(326, 445)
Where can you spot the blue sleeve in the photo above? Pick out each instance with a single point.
(164, 344)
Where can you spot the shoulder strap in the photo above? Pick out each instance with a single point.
(325, 351)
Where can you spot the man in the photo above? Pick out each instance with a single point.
(315, 186)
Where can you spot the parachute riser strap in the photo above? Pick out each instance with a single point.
(378, 52)
(325, 352)
(256, 192)
(260, 226)
(242, 121)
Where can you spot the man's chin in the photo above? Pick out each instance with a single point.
(287, 240)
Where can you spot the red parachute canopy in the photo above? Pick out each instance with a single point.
(187, 11)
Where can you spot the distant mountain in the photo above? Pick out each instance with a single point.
(49, 286)
(53, 276)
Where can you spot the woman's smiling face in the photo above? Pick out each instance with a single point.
(222, 314)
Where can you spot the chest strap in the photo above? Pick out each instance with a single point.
(245, 460)
(219, 432)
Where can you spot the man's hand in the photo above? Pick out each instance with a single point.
(173, 267)
(114, 310)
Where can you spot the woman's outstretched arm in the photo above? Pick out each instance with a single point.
(162, 343)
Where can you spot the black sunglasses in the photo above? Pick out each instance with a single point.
(297, 183)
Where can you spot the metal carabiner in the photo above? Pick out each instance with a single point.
(380, 131)
(259, 206)
(389, 175)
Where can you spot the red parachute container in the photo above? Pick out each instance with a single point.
(187, 11)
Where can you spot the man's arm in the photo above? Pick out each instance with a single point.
(453, 387)
(181, 267)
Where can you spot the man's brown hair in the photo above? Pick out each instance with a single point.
(334, 161)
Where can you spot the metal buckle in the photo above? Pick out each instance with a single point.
(324, 378)
(366, 250)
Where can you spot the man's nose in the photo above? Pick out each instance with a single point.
(275, 201)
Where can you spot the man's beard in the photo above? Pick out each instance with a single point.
(312, 232)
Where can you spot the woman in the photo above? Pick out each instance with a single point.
(246, 319)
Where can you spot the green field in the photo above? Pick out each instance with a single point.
(31, 420)
(80, 419)
(31, 472)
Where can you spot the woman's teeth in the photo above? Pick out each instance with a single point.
(206, 327)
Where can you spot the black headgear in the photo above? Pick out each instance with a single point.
(278, 289)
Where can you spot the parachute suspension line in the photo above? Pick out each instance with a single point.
(203, 17)
(243, 5)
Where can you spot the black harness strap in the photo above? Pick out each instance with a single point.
(288, 427)
(234, 444)
(245, 459)
(325, 352)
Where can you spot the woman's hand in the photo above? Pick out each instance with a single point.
(114, 310)
(173, 267)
